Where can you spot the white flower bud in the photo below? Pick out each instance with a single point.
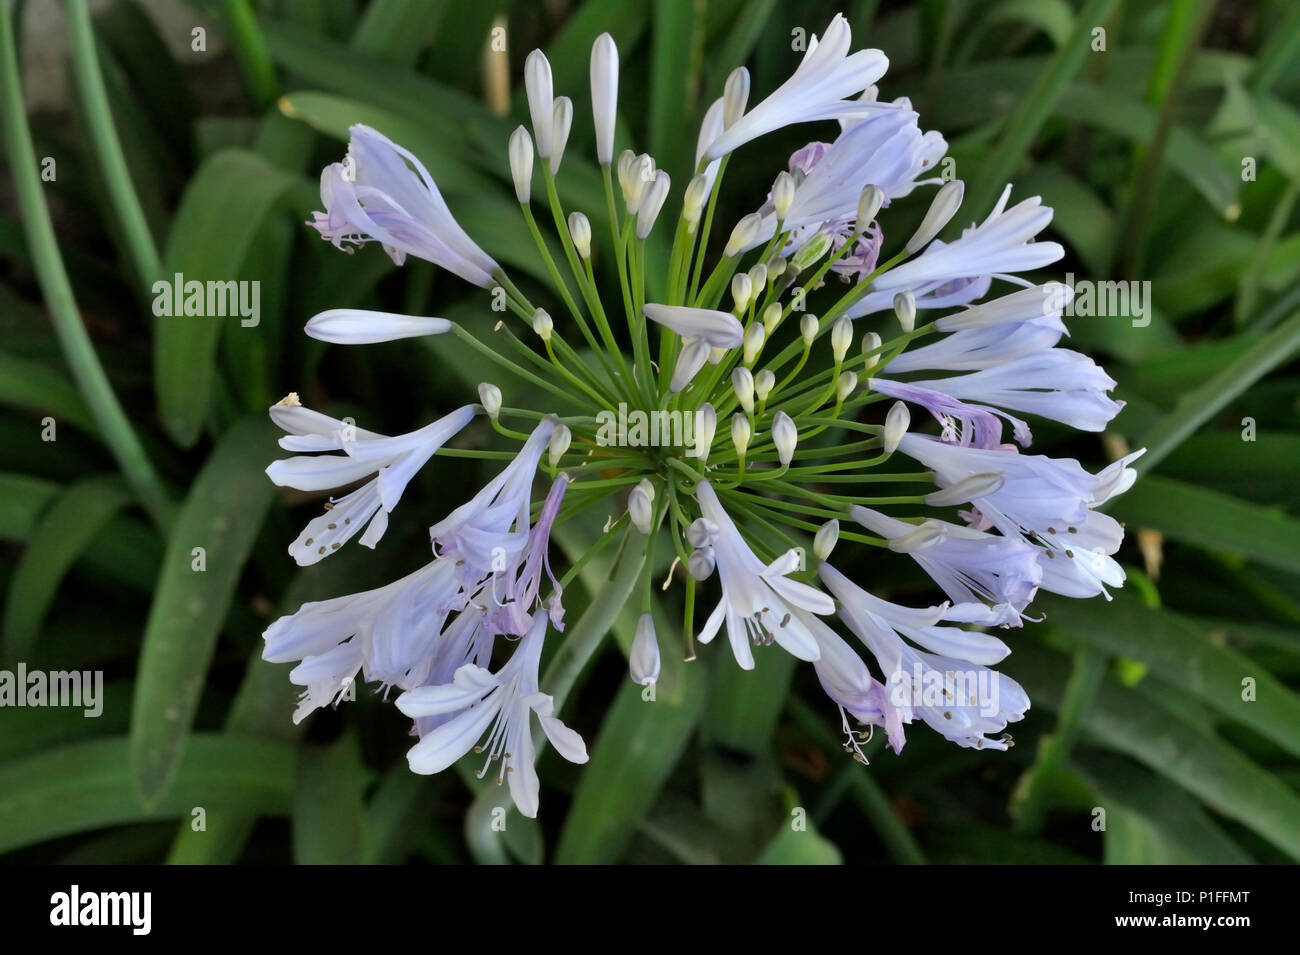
(741, 432)
(541, 103)
(542, 324)
(869, 203)
(925, 534)
(772, 316)
(652, 200)
(782, 194)
(742, 382)
(764, 382)
(604, 94)
(824, 541)
(896, 424)
(808, 329)
(520, 150)
(841, 337)
(701, 532)
(946, 202)
(561, 438)
(719, 329)
(706, 428)
(743, 234)
(580, 233)
(742, 290)
(870, 346)
(561, 123)
(489, 397)
(905, 309)
(626, 160)
(754, 338)
(810, 252)
(640, 178)
(646, 485)
(643, 661)
(639, 509)
(845, 385)
(735, 96)
(968, 489)
(758, 276)
(689, 362)
(701, 563)
(716, 354)
(775, 268)
(785, 436)
(697, 193)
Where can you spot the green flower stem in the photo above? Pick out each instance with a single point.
(711, 295)
(688, 620)
(637, 321)
(750, 504)
(114, 427)
(581, 421)
(607, 333)
(605, 482)
(108, 148)
(566, 241)
(476, 454)
(599, 547)
(592, 390)
(617, 240)
(702, 246)
(854, 295)
(546, 385)
(561, 286)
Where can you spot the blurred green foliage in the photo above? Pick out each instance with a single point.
(1169, 145)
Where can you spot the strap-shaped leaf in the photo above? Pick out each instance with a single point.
(222, 514)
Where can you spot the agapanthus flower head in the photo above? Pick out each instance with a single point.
(729, 417)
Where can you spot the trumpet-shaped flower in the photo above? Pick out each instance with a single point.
(757, 600)
(820, 88)
(499, 705)
(392, 461)
(972, 567)
(382, 193)
(958, 272)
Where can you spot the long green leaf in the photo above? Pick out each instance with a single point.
(327, 806)
(1200, 516)
(89, 785)
(1024, 123)
(229, 197)
(65, 531)
(1162, 808)
(1185, 655)
(222, 514)
(639, 745)
(1219, 773)
(1203, 403)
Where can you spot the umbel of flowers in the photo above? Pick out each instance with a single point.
(779, 455)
